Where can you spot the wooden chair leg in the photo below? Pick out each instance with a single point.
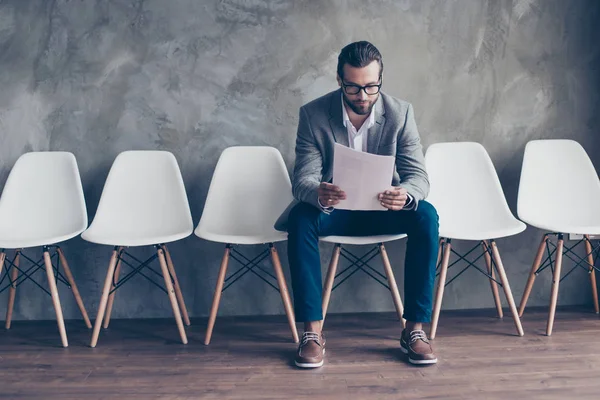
(590, 260)
(111, 296)
(55, 299)
(330, 278)
(506, 286)
(555, 284)
(531, 279)
(440, 289)
(283, 290)
(171, 292)
(178, 293)
(493, 284)
(217, 296)
(76, 294)
(104, 299)
(392, 284)
(13, 289)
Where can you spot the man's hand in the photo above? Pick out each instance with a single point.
(394, 198)
(330, 195)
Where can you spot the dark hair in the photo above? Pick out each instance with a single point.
(358, 55)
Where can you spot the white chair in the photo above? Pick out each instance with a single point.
(143, 203)
(559, 192)
(361, 264)
(250, 188)
(42, 204)
(466, 192)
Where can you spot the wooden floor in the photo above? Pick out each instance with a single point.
(251, 358)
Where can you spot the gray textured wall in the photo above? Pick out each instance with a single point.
(194, 77)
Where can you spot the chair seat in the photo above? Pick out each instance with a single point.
(8, 240)
(360, 240)
(120, 238)
(591, 228)
(483, 232)
(258, 238)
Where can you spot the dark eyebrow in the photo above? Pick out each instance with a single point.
(368, 84)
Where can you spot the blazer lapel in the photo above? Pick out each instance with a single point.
(336, 120)
(375, 132)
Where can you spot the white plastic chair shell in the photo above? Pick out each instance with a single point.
(466, 192)
(250, 188)
(143, 202)
(559, 190)
(361, 240)
(42, 202)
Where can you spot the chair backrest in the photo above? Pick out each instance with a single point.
(250, 188)
(465, 189)
(43, 198)
(144, 196)
(559, 188)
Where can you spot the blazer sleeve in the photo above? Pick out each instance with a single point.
(308, 168)
(410, 162)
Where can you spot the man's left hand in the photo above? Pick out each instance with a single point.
(394, 199)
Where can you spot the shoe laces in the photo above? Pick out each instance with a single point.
(314, 336)
(418, 335)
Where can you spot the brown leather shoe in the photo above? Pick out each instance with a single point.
(311, 350)
(418, 348)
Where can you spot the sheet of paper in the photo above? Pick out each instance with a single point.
(362, 176)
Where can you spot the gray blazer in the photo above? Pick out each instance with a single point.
(321, 125)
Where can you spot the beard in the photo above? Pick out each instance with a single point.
(360, 107)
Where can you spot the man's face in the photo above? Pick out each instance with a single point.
(361, 103)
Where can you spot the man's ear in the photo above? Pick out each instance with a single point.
(339, 80)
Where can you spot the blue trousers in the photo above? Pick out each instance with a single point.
(306, 223)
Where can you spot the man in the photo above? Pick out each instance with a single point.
(358, 115)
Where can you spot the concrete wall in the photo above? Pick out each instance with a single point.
(194, 77)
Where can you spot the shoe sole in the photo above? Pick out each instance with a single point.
(310, 365)
(417, 362)
(422, 362)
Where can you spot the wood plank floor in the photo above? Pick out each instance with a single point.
(251, 358)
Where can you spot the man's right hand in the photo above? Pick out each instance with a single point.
(330, 195)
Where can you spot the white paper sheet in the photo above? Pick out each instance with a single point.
(362, 176)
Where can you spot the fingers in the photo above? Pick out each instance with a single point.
(394, 199)
(330, 202)
(329, 187)
(328, 191)
(393, 204)
(393, 196)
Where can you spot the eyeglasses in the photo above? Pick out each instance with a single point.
(355, 89)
